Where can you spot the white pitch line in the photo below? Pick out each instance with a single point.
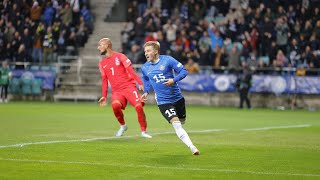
(161, 167)
(278, 127)
(160, 133)
(62, 141)
(100, 138)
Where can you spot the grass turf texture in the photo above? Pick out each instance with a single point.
(234, 151)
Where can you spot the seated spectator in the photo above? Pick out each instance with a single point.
(192, 67)
(136, 55)
(88, 18)
(204, 57)
(149, 37)
(280, 60)
(234, 59)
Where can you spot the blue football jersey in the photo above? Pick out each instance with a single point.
(154, 75)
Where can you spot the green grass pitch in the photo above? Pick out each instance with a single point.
(76, 141)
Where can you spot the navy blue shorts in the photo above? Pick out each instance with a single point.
(177, 109)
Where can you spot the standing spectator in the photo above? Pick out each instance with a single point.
(216, 40)
(35, 12)
(37, 44)
(9, 32)
(61, 43)
(307, 29)
(163, 43)
(315, 62)
(294, 54)
(183, 40)
(27, 41)
(132, 11)
(139, 31)
(282, 30)
(75, 6)
(142, 6)
(88, 18)
(204, 41)
(48, 14)
(4, 81)
(316, 29)
(66, 14)
(47, 44)
(243, 85)
(15, 44)
(171, 31)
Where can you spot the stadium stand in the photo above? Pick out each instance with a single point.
(34, 33)
(268, 34)
(274, 37)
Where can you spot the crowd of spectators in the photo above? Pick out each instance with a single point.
(262, 34)
(37, 31)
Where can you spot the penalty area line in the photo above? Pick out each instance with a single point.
(161, 167)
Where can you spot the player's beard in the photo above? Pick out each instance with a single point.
(104, 52)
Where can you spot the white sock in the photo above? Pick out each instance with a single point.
(181, 133)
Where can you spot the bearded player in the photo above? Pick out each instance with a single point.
(116, 68)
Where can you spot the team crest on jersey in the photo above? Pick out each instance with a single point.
(161, 67)
(117, 61)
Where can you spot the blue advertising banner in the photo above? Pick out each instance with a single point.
(208, 83)
(260, 84)
(47, 77)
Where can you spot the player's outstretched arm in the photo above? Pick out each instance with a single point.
(103, 101)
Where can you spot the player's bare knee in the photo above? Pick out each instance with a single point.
(116, 106)
(138, 106)
(174, 119)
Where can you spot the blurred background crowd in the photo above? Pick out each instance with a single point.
(221, 34)
(38, 31)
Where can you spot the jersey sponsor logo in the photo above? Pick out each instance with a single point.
(117, 61)
(162, 67)
(179, 65)
(105, 66)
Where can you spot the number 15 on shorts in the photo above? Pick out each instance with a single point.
(170, 112)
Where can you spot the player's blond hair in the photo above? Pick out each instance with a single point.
(107, 41)
(155, 45)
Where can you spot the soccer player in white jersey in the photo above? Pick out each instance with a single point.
(158, 74)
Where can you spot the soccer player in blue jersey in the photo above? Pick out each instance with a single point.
(158, 74)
